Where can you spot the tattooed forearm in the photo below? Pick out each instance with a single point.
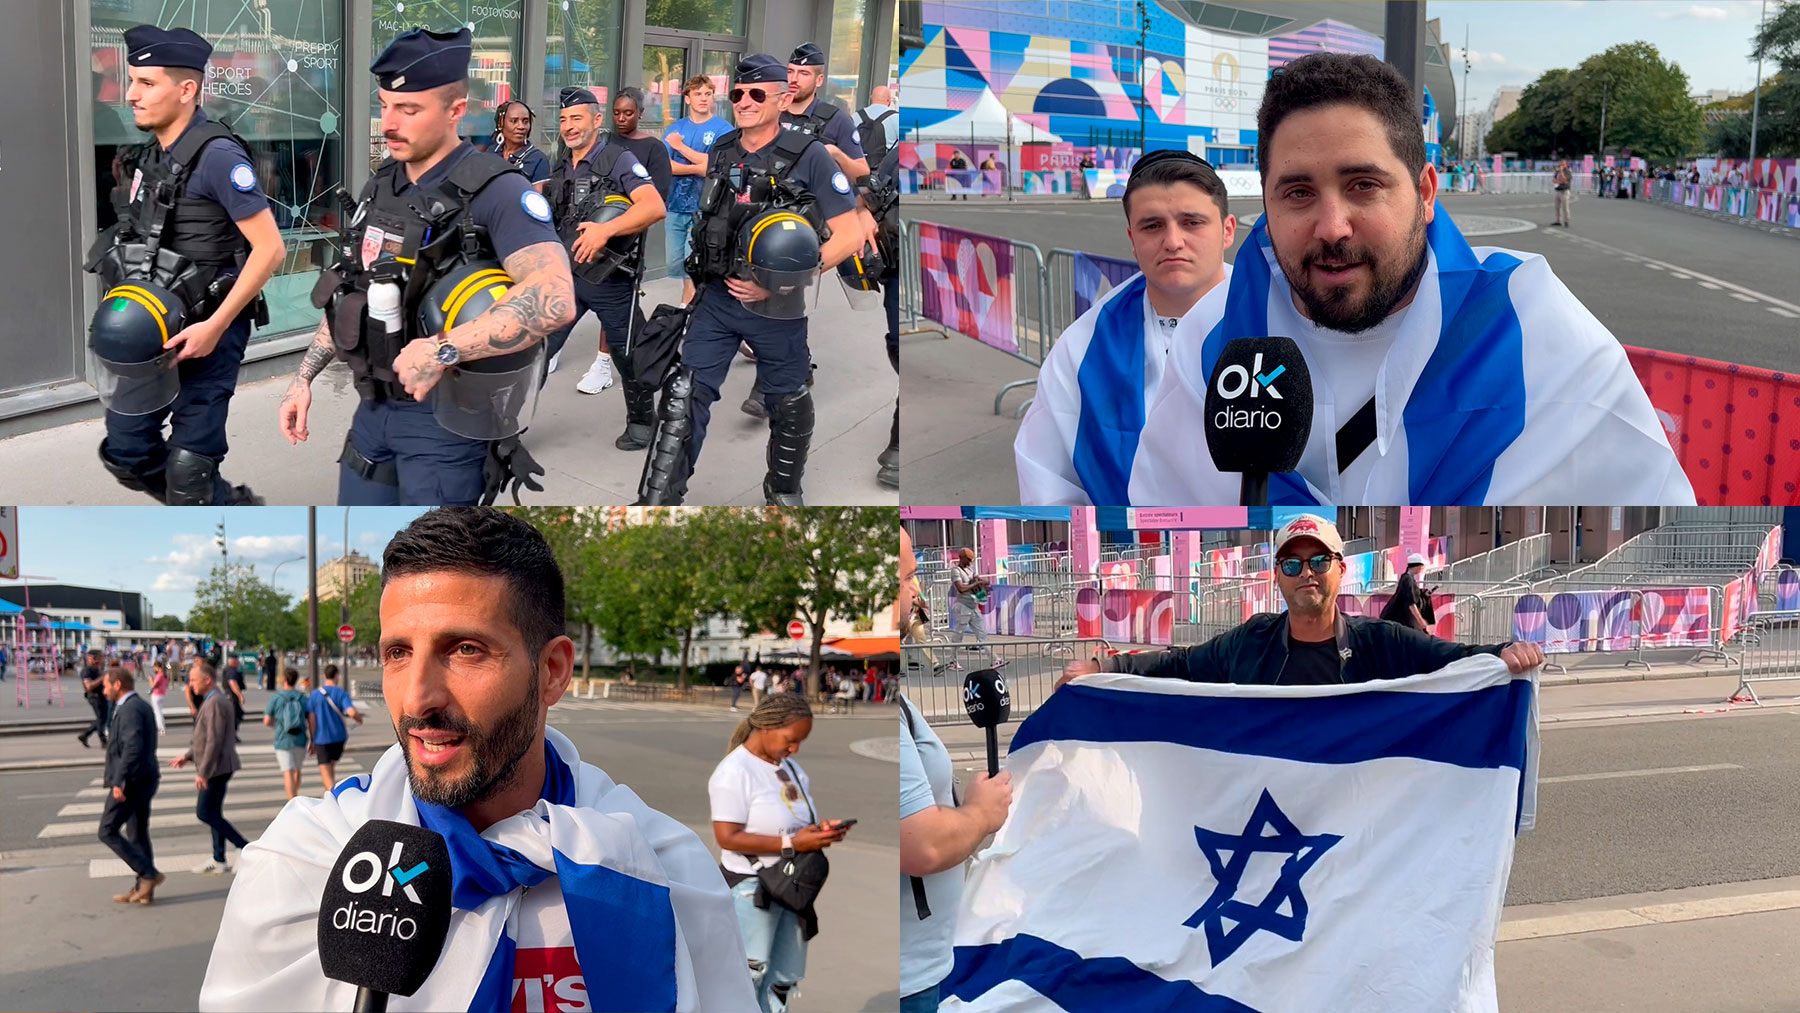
(318, 355)
(541, 300)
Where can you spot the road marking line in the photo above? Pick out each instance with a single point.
(87, 828)
(1644, 772)
(1708, 284)
(164, 801)
(1650, 914)
(1781, 312)
(105, 868)
(1677, 275)
(1741, 297)
(1722, 283)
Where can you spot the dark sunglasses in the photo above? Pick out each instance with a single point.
(1290, 565)
(789, 790)
(756, 94)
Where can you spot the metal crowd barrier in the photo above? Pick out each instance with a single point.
(1498, 565)
(1771, 638)
(1534, 182)
(1029, 330)
(933, 672)
(1733, 203)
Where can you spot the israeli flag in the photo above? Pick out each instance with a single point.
(1195, 846)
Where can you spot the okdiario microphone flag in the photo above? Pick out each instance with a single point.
(1197, 846)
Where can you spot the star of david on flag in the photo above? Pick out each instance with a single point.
(1177, 846)
(1265, 915)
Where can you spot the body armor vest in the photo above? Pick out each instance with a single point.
(576, 195)
(733, 193)
(189, 245)
(411, 238)
(813, 121)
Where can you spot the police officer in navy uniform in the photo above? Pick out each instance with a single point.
(451, 228)
(752, 172)
(810, 113)
(195, 195)
(602, 198)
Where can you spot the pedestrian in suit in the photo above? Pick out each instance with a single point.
(215, 758)
(131, 779)
(93, 686)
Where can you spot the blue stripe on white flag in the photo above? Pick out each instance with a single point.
(1485, 728)
(1075, 983)
(630, 960)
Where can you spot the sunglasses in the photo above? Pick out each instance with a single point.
(1291, 565)
(789, 790)
(758, 95)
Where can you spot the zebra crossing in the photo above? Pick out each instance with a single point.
(255, 798)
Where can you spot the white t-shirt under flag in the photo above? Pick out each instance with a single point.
(745, 788)
(1180, 845)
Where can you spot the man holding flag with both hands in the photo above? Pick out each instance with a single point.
(1311, 811)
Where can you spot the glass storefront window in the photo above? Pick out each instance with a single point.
(719, 65)
(276, 78)
(582, 50)
(696, 16)
(494, 71)
(843, 65)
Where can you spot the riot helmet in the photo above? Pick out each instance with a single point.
(615, 254)
(779, 250)
(130, 364)
(481, 399)
(860, 274)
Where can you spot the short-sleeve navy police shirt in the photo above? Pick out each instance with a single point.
(514, 215)
(226, 176)
(628, 174)
(818, 174)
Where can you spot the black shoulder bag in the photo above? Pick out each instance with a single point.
(794, 882)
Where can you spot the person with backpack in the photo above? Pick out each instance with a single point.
(286, 713)
(326, 710)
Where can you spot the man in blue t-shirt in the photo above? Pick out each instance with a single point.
(326, 710)
(688, 139)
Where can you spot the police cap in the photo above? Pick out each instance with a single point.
(422, 59)
(760, 68)
(807, 54)
(573, 96)
(150, 46)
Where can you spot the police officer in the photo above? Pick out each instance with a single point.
(754, 175)
(810, 113)
(882, 200)
(196, 196)
(602, 197)
(481, 276)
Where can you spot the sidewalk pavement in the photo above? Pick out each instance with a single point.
(571, 436)
(953, 448)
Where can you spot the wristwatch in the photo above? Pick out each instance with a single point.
(447, 354)
(787, 846)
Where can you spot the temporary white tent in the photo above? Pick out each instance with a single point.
(986, 120)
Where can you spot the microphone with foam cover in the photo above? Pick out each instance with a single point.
(1259, 406)
(386, 911)
(988, 704)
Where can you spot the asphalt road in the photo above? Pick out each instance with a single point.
(1655, 276)
(84, 952)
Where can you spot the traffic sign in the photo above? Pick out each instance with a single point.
(797, 630)
(346, 633)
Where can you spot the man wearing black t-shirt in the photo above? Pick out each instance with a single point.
(1311, 643)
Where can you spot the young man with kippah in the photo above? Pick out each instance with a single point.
(1078, 441)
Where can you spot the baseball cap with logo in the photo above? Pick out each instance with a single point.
(1309, 526)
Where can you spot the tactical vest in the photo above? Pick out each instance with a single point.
(883, 196)
(412, 238)
(576, 194)
(189, 245)
(813, 121)
(734, 193)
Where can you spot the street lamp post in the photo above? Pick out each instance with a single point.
(225, 555)
(344, 600)
(1756, 100)
(1143, 14)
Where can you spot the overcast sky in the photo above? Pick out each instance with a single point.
(1511, 42)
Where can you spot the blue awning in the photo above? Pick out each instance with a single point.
(8, 608)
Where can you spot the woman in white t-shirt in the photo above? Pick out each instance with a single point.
(762, 810)
(159, 688)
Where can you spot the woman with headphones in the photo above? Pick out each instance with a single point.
(513, 123)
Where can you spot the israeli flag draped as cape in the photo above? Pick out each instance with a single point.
(1196, 846)
(1500, 387)
(654, 925)
(1078, 441)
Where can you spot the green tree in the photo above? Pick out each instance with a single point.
(650, 586)
(1778, 38)
(814, 564)
(1542, 125)
(568, 530)
(1645, 100)
(169, 623)
(260, 615)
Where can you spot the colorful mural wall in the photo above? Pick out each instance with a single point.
(1078, 79)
